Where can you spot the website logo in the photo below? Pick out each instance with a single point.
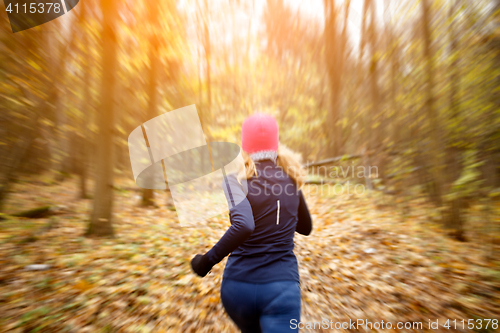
(205, 179)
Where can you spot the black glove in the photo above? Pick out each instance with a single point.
(200, 265)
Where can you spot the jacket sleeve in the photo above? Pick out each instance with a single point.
(242, 222)
(304, 223)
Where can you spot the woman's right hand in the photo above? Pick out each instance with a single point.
(200, 265)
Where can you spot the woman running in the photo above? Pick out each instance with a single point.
(260, 289)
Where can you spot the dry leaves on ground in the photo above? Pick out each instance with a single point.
(360, 262)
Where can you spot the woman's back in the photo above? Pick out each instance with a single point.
(267, 255)
(260, 289)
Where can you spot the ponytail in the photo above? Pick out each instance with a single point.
(288, 160)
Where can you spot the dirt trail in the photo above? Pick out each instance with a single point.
(360, 262)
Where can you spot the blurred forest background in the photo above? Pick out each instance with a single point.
(411, 87)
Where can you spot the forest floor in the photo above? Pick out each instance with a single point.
(362, 261)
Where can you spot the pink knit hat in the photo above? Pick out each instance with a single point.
(259, 132)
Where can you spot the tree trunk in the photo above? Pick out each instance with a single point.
(365, 120)
(435, 153)
(148, 194)
(208, 54)
(392, 72)
(19, 155)
(454, 220)
(376, 144)
(101, 218)
(332, 54)
(43, 107)
(59, 90)
(453, 215)
(87, 111)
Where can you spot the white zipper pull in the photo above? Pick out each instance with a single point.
(278, 218)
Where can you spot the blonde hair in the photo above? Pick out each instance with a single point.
(288, 160)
